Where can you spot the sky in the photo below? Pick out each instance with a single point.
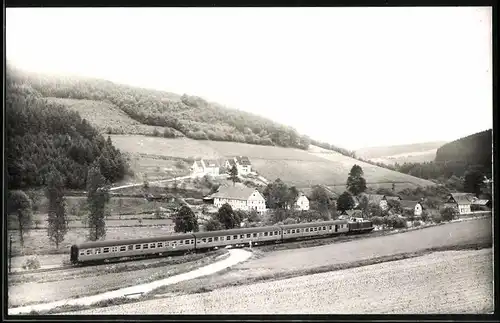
(354, 77)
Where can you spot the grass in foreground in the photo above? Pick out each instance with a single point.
(181, 289)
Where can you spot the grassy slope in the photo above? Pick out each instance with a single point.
(387, 151)
(294, 166)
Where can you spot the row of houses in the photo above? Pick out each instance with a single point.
(461, 201)
(212, 167)
(241, 197)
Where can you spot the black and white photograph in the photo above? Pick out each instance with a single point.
(239, 161)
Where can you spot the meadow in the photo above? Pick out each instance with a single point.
(453, 282)
(294, 166)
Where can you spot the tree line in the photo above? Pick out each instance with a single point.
(42, 135)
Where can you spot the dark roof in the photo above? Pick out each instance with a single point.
(312, 224)
(463, 198)
(243, 160)
(234, 192)
(111, 243)
(220, 233)
(394, 198)
(408, 204)
(211, 163)
(481, 202)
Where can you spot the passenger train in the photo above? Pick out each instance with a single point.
(100, 251)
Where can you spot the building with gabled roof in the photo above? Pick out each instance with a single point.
(461, 201)
(302, 203)
(414, 206)
(240, 198)
(378, 199)
(205, 167)
(242, 163)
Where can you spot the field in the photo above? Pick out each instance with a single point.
(295, 262)
(415, 157)
(77, 282)
(37, 241)
(294, 166)
(399, 150)
(445, 282)
(104, 116)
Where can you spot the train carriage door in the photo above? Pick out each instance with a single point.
(336, 227)
(74, 254)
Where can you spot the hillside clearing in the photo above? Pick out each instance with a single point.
(294, 166)
(444, 282)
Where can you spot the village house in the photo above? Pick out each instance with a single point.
(302, 203)
(205, 167)
(393, 198)
(240, 198)
(378, 199)
(461, 201)
(242, 164)
(414, 206)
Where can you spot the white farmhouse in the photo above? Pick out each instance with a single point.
(302, 203)
(414, 206)
(242, 164)
(205, 167)
(240, 198)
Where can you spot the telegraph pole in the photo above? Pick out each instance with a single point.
(10, 254)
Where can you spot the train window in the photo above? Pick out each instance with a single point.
(204, 240)
(160, 244)
(152, 245)
(266, 234)
(145, 246)
(137, 246)
(209, 239)
(181, 242)
(287, 231)
(270, 233)
(130, 247)
(97, 251)
(330, 227)
(315, 229)
(192, 241)
(228, 238)
(254, 235)
(248, 235)
(88, 252)
(186, 242)
(123, 248)
(307, 230)
(275, 233)
(105, 250)
(324, 228)
(82, 253)
(235, 237)
(293, 231)
(114, 249)
(216, 238)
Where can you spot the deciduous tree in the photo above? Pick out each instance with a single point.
(97, 199)
(345, 201)
(185, 220)
(356, 184)
(20, 204)
(228, 217)
(57, 220)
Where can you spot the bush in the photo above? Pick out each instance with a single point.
(425, 216)
(437, 218)
(396, 222)
(417, 223)
(31, 263)
(377, 220)
(448, 213)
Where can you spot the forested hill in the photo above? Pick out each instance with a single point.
(41, 135)
(184, 115)
(474, 150)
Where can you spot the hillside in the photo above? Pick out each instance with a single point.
(472, 150)
(379, 154)
(44, 136)
(185, 115)
(294, 166)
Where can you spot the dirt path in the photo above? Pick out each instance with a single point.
(444, 282)
(236, 256)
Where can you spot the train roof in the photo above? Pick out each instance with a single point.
(236, 231)
(313, 224)
(111, 243)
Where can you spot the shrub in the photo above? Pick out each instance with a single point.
(396, 222)
(425, 216)
(31, 263)
(436, 218)
(377, 220)
(416, 223)
(448, 213)
(289, 221)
